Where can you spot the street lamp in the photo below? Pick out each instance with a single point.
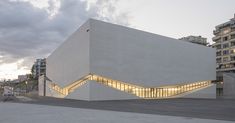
(26, 86)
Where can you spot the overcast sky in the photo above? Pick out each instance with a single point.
(31, 29)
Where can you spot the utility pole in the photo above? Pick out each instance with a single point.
(44, 83)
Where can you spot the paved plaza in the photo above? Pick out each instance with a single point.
(31, 113)
(186, 109)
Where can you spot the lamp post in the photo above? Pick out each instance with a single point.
(26, 86)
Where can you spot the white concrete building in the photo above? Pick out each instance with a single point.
(103, 61)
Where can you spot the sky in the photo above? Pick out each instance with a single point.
(31, 29)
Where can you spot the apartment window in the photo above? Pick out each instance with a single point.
(232, 51)
(233, 65)
(218, 46)
(225, 59)
(232, 43)
(218, 60)
(227, 65)
(225, 52)
(233, 29)
(232, 36)
(225, 38)
(226, 45)
(218, 53)
(232, 58)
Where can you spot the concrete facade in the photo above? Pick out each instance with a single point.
(147, 59)
(229, 85)
(41, 85)
(127, 55)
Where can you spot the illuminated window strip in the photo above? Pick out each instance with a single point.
(142, 92)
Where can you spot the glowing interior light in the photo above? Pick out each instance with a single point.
(142, 92)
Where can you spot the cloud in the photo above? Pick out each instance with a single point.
(29, 30)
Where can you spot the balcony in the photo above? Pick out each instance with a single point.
(216, 38)
(233, 30)
(226, 67)
(218, 61)
(218, 55)
(215, 32)
(218, 46)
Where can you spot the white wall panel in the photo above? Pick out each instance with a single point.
(70, 61)
(127, 55)
(147, 59)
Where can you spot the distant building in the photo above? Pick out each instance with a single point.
(39, 68)
(225, 50)
(195, 39)
(225, 47)
(22, 78)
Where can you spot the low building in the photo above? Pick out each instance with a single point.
(103, 61)
(22, 78)
(195, 39)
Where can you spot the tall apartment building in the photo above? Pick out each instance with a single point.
(225, 47)
(39, 67)
(195, 39)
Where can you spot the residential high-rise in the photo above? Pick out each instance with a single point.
(39, 67)
(225, 47)
(224, 38)
(195, 39)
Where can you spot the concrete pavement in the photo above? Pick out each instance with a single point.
(191, 108)
(29, 113)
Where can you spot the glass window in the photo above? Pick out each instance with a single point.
(225, 52)
(232, 43)
(225, 38)
(226, 45)
(225, 59)
(232, 58)
(218, 46)
(232, 36)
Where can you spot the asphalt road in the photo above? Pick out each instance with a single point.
(191, 108)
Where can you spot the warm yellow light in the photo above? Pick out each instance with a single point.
(173, 89)
(143, 92)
